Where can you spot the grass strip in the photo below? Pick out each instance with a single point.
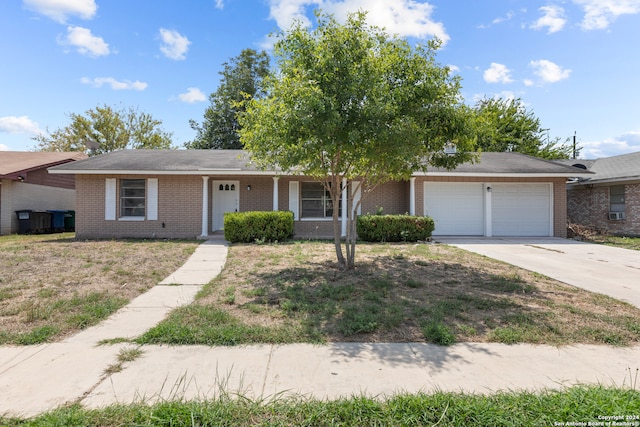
(577, 405)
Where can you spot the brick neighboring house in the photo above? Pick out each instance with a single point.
(185, 193)
(609, 200)
(25, 184)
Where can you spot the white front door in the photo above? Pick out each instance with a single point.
(225, 199)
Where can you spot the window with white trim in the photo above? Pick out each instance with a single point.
(132, 197)
(316, 201)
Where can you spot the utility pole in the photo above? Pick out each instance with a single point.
(574, 144)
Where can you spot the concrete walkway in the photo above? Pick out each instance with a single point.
(38, 378)
(35, 379)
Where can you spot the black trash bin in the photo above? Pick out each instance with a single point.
(34, 222)
(40, 222)
(70, 221)
(24, 221)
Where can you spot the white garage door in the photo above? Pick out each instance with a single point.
(521, 210)
(457, 208)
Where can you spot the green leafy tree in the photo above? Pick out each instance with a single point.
(241, 77)
(104, 129)
(507, 125)
(349, 103)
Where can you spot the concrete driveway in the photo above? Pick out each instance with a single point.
(596, 268)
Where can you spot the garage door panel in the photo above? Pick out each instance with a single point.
(520, 210)
(456, 208)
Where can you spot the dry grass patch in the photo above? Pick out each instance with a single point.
(53, 285)
(396, 293)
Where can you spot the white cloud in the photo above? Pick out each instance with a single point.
(548, 71)
(497, 73)
(528, 82)
(174, 45)
(623, 144)
(21, 124)
(453, 68)
(192, 95)
(508, 17)
(599, 14)
(219, 4)
(115, 84)
(406, 18)
(553, 19)
(4, 148)
(85, 42)
(60, 10)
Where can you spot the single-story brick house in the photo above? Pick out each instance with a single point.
(185, 193)
(609, 200)
(25, 184)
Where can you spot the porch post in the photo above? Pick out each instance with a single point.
(275, 192)
(412, 196)
(205, 207)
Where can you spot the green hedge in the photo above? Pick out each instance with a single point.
(394, 228)
(249, 227)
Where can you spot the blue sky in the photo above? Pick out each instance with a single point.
(574, 63)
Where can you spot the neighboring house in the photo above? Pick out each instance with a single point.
(25, 184)
(185, 193)
(609, 200)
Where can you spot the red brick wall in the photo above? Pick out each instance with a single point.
(260, 197)
(179, 209)
(589, 206)
(392, 197)
(180, 204)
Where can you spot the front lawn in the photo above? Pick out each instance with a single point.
(292, 292)
(53, 285)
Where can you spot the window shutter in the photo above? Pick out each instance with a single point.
(110, 199)
(294, 195)
(152, 199)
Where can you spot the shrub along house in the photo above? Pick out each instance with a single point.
(185, 193)
(608, 200)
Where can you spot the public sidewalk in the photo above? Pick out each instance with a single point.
(41, 378)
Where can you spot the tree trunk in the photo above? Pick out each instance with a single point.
(335, 192)
(350, 244)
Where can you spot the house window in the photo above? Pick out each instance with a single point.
(316, 201)
(616, 198)
(132, 197)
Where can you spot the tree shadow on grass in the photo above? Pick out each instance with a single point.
(387, 301)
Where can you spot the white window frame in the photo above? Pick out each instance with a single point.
(122, 197)
(326, 198)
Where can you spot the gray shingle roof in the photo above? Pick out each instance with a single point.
(623, 167)
(163, 161)
(512, 163)
(237, 161)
